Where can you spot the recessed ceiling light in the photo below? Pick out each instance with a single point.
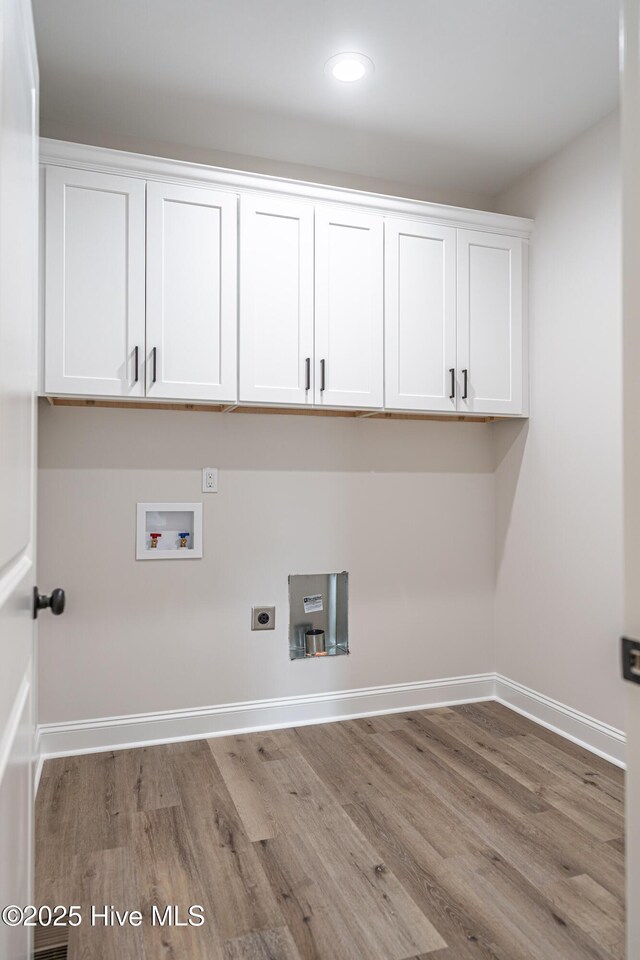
(348, 67)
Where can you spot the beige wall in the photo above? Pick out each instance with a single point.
(405, 507)
(468, 546)
(559, 477)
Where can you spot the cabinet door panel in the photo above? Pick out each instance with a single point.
(349, 330)
(191, 293)
(94, 283)
(276, 300)
(420, 315)
(491, 323)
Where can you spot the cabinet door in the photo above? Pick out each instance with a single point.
(94, 283)
(276, 301)
(490, 323)
(349, 309)
(191, 293)
(420, 316)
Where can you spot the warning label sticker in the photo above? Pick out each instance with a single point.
(313, 604)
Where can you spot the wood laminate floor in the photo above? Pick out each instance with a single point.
(450, 834)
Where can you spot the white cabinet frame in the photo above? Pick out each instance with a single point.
(491, 324)
(191, 293)
(276, 301)
(349, 340)
(94, 283)
(420, 316)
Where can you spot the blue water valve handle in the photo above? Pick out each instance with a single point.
(184, 535)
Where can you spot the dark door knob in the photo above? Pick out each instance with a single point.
(55, 602)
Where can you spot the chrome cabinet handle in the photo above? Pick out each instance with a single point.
(307, 374)
(322, 376)
(465, 380)
(154, 354)
(136, 369)
(452, 374)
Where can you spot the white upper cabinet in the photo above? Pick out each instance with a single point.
(94, 284)
(191, 293)
(420, 316)
(212, 286)
(349, 309)
(276, 300)
(491, 317)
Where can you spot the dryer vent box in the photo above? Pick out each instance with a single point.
(318, 606)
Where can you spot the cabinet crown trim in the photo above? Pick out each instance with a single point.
(104, 160)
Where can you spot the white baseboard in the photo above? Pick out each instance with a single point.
(592, 734)
(39, 764)
(116, 733)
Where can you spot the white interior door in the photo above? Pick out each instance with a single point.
(191, 293)
(490, 323)
(276, 301)
(631, 401)
(349, 328)
(420, 316)
(94, 287)
(18, 352)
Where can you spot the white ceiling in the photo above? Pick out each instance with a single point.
(466, 94)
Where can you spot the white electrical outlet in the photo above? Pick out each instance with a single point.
(209, 479)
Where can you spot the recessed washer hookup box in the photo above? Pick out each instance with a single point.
(169, 531)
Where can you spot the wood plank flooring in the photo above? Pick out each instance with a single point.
(463, 833)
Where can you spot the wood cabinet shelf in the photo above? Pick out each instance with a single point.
(280, 411)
